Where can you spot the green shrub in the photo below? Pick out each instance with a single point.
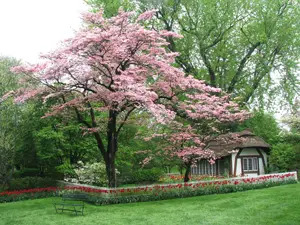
(3, 188)
(145, 176)
(283, 156)
(31, 182)
(26, 196)
(27, 172)
(89, 173)
(54, 174)
(66, 170)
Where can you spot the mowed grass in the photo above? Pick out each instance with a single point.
(276, 205)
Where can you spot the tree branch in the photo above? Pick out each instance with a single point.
(265, 71)
(124, 120)
(241, 67)
(208, 65)
(96, 134)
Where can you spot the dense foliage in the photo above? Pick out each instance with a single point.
(263, 125)
(89, 173)
(30, 182)
(286, 155)
(9, 118)
(247, 48)
(283, 157)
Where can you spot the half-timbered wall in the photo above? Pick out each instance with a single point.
(234, 163)
(238, 163)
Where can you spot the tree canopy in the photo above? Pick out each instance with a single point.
(8, 119)
(248, 48)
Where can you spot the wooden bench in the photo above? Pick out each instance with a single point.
(71, 202)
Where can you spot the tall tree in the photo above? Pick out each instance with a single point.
(8, 119)
(248, 48)
(263, 125)
(291, 138)
(45, 144)
(114, 67)
(110, 7)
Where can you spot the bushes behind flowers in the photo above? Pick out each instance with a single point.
(31, 182)
(144, 176)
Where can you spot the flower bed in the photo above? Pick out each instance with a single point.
(175, 178)
(102, 196)
(179, 190)
(10, 196)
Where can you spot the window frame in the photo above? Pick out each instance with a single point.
(248, 158)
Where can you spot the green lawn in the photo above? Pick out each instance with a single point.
(276, 205)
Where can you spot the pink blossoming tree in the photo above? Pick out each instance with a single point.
(189, 145)
(114, 67)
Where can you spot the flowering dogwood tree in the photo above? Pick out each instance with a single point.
(114, 67)
(188, 144)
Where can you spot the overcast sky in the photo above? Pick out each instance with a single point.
(31, 27)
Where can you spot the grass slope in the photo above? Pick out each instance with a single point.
(276, 205)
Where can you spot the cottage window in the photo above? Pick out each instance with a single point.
(250, 164)
(204, 168)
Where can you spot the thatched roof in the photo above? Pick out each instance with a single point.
(250, 140)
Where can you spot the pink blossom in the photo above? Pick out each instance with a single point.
(7, 95)
(27, 94)
(146, 161)
(147, 15)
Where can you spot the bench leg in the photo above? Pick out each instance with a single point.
(77, 209)
(55, 208)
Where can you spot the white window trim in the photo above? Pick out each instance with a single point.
(252, 159)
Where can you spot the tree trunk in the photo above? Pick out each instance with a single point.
(111, 171)
(180, 168)
(187, 172)
(112, 148)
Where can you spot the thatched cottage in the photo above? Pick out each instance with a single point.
(247, 158)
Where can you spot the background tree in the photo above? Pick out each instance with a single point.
(286, 155)
(264, 125)
(283, 157)
(110, 8)
(132, 148)
(248, 48)
(47, 146)
(8, 119)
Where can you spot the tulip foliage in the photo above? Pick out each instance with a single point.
(115, 67)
